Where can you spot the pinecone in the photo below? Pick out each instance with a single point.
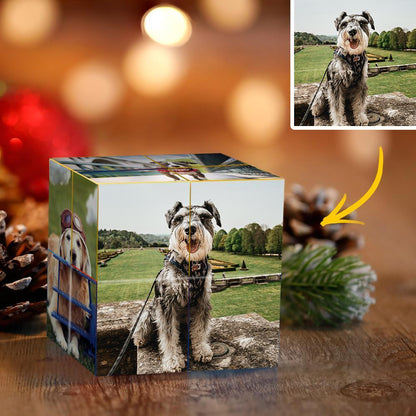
(23, 275)
(303, 213)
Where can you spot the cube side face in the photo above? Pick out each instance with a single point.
(133, 240)
(246, 262)
(72, 264)
(138, 216)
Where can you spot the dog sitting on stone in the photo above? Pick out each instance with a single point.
(182, 288)
(347, 72)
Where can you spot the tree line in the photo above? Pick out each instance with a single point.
(396, 39)
(252, 239)
(113, 239)
(304, 38)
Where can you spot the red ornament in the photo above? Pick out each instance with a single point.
(32, 130)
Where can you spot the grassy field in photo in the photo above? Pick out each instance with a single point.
(311, 62)
(130, 276)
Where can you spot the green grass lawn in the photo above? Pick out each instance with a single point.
(130, 276)
(310, 64)
(262, 299)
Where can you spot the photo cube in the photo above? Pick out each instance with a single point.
(164, 263)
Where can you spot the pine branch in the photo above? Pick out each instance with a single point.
(322, 290)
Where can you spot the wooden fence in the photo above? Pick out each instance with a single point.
(219, 285)
(372, 72)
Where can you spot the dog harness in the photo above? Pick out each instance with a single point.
(196, 272)
(356, 61)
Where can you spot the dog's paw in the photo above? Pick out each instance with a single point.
(61, 341)
(361, 120)
(139, 339)
(340, 122)
(73, 348)
(174, 364)
(203, 353)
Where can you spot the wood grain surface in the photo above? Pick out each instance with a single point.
(367, 368)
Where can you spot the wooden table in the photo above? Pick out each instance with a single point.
(367, 368)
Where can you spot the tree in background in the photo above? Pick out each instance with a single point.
(218, 239)
(393, 41)
(252, 239)
(247, 242)
(236, 242)
(401, 38)
(383, 40)
(228, 242)
(259, 238)
(274, 240)
(411, 39)
(396, 39)
(372, 40)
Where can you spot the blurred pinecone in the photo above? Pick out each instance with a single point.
(23, 275)
(303, 213)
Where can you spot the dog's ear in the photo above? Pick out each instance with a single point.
(86, 264)
(171, 213)
(367, 16)
(209, 206)
(339, 19)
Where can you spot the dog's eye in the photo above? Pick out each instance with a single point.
(68, 237)
(78, 244)
(178, 218)
(205, 217)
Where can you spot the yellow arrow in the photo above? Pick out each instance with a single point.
(335, 217)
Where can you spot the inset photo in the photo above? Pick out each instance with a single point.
(353, 65)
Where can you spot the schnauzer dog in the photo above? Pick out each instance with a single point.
(347, 72)
(182, 287)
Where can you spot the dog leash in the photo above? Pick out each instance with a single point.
(127, 341)
(313, 99)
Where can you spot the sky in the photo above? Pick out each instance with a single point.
(141, 207)
(317, 16)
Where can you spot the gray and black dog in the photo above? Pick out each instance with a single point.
(347, 72)
(182, 288)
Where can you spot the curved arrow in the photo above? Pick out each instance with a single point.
(336, 217)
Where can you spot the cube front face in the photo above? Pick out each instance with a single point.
(117, 223)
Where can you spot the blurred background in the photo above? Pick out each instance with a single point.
(107, 77)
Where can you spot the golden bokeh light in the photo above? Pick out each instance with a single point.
(167, 25)
(92, 91)
(362, 146)
(151, 69)
(28, 22)
(231, 15)
(255, 111)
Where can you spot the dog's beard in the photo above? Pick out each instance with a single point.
(193, 248)
(354, 45)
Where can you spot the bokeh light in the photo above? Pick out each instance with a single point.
(362, 146)
(167, 25)
(231, 15)
(256, 111)
(28, 22)
(151, 69)
(92, 91)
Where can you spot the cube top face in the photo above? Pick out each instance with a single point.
(206, 227)
(162, 168)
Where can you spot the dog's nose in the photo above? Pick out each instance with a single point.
(352, 32)
(190, 231)
(74, 257)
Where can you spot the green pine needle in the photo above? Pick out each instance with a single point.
(321, 290)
